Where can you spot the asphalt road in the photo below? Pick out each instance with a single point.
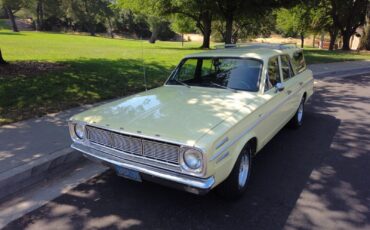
(317, 177)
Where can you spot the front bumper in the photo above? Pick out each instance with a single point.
(172, 179)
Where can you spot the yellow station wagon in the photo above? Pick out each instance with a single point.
(200, 130)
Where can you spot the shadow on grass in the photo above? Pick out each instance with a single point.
(183, 48)
(9, 33)
(85, 81)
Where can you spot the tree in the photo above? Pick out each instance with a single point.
(86, 12)
(198, 10)
(365, 38)
(294, 21)
(246, 27)
(347, 17)
(42, 11)
(182, 25)
(321, 21)
(11, 7)
(149, 8)
(229, 11)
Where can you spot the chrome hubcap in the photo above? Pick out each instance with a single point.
(300, 112)
(243, 170)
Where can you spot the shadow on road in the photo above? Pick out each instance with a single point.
(281, 171)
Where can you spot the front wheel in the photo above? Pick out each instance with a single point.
(297, 120)
(235, 185)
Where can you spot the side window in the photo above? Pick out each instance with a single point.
(187, 71)
(298, 62)
(207, 67)
(286, 67)
(273, 73)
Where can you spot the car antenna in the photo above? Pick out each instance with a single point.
(143, 62)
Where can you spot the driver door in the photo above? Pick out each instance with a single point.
(271, 113)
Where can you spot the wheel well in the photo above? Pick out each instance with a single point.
(253, 143)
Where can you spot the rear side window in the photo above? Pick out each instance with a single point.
(273, 73)
(298, 62)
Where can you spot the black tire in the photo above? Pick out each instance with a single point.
(231, 188)
(297, 119)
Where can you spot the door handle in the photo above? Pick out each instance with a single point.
(289, 92)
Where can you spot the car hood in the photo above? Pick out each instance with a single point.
(174, 113)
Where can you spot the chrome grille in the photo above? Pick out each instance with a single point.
(160, 151)
(134, 145)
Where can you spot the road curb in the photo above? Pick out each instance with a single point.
(19, 178)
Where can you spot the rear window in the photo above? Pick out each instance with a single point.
(298, 62)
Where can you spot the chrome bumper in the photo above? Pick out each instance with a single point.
(166, 177)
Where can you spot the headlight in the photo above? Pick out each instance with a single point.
(79, 131)
(193, 160)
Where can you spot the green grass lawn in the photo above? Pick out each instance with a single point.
(314, 56)
(96, 69)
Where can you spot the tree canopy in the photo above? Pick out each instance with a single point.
(230, 21)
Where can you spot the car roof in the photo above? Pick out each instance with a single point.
(257, 51)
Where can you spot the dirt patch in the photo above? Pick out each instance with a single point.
(28, 68)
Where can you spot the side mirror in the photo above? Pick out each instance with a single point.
(279, 87)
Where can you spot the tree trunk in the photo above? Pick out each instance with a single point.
(41, 14)
(333, 37)
(2, 61)
(346, 40)
(110, 29)
(153, 37)
(322, 40)
(91, 26)
(313, 41)
(302, 40)
(365, 38)
(182, 39)
(206, 40)
(206, 28)
(12, 19)
(229, 29)
(37, 24)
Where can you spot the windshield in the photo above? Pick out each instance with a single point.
(228, 73)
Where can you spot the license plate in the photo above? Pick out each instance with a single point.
(128, 173)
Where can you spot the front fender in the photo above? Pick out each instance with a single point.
(223, 164)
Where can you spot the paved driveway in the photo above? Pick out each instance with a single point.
(317, 177)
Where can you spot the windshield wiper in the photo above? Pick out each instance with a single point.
(180, 82)
(223, 87)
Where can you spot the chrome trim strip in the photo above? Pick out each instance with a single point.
(221, 143)
(222, 157)
(200, 183)
(262, 118)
